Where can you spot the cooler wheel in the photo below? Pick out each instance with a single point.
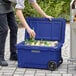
(61, 61)
(52, 65)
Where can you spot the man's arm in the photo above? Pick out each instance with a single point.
(24, 23)
(39, 10)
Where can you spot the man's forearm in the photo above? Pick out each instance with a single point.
(21, 18)
(38, 9)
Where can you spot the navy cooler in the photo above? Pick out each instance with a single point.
(41, 56)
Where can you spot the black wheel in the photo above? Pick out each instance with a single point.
(52, 65)
(61, 61)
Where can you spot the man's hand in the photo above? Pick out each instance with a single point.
(31, 33)
(49, 17)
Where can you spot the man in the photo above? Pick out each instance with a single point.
(7, 19)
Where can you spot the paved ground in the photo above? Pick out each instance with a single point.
(66, 69)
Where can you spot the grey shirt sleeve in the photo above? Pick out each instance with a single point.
(30, 1)
(14, 1)
(20, 4)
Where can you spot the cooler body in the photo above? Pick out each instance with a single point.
(38, 57)
(43, 56)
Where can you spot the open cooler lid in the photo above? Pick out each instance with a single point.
(46, 29)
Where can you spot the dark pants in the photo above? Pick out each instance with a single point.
(5, 21)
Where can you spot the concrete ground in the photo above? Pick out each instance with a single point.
(67, 68)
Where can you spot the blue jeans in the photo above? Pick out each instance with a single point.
(8, 20)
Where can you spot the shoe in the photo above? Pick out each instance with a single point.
(3, 63)
(13, 57)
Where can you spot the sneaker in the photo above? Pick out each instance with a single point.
(3, 63)
(13, 57)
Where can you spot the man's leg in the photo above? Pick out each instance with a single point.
(3, 34)
(13, 35)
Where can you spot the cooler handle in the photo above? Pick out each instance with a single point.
(35, 51)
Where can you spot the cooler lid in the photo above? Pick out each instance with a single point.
(46, 29)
